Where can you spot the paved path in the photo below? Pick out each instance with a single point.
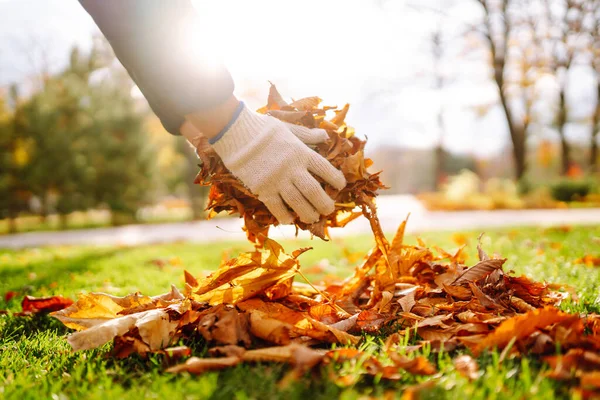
(392, 210)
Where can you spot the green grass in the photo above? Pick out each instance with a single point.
(35, 361)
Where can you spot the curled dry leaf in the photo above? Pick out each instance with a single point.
(301, 357)
(248, 275)
(479, 271)
(155, 328)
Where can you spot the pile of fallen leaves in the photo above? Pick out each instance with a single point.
(343, 149)
(251, 310)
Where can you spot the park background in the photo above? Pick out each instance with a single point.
(467, 105)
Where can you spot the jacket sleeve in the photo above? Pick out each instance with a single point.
(157, 42)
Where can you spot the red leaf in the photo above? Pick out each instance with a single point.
(8, 296)
(36, 305)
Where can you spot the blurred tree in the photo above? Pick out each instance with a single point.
(85, 139)
(14, 155)
(497, 29)
(196, 194)
(121, 156)
(562, 26)
(593, 21)
(437, 50)
(177, 166)
(53, 122)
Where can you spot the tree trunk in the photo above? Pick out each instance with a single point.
(594, 167)
(594, 153)
(63, 221)
(12, 224)
(43, 208)
(565, 154)
(517, 135)
(565, 159)
(439, 168)
(517, 132)
(196, 194)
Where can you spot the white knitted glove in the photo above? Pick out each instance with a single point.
(270, 158)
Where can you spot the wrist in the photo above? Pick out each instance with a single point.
(212, 122)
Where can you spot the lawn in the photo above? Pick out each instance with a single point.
(36, 363)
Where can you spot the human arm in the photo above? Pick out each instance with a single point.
(157, 43)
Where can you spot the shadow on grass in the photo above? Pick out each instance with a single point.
(15, 276)
(13, 328)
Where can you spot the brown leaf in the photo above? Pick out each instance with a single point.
(304, 118)
(189, 279)
(277, 323)
(483, 298)
(225, 326)
(227, 351)
(248, 275)
(467, 366)
(293, 353)
(434, 334)
(407, 302)
(480, 270)
(482, 254)
(306, 103)
(328, 125)
(124, 346)
(370, 321)
(175, 353)
(459, 292)
(590, 380)
(438, 320)
(416, 366)
(521, 326)
(340, 115)
(275, 100)
(198, 366)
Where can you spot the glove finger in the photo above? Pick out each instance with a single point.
(314, 193)
(277, 207)
(307, 135)
(323, 168)
(300, 205)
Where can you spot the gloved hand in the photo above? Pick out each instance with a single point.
(271, 158)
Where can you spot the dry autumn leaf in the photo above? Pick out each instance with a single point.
(198, 366)
(522, 326)
(467, 366)
(33, 305)
(588, 260)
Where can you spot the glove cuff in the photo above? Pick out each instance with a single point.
(234, 118)
(241, 132)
